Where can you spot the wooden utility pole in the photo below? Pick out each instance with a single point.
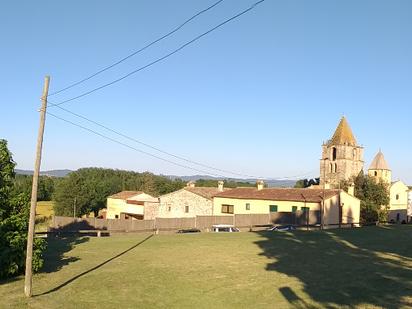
(33, 204)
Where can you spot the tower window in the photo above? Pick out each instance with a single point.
(336, 168)
(331, 168)
(397, 196)
(376, 173)
(333, 153)
(354, 153)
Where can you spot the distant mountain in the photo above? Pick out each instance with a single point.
(270, 182)
(52, 173)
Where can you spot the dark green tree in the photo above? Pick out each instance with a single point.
(374, 198)
(14, 218)
(89, 188)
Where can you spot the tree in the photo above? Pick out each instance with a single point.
(305, 183)
(374, 197)
(14, 221)
(90, 187)
(23, 184)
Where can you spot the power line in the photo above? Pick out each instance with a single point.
(160, 158)
(161, 58)
(137, 51)
(153, 147)
(131, 147)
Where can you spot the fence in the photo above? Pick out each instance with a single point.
(69, 224)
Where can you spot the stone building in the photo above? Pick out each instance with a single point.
(342, 157)
(379, 169)
(189, 202)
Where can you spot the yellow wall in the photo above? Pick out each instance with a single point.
(117, 206)
(350, 207)
(257, 206)
(400, 189)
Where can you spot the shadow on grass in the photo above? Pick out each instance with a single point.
(336, 271)
(95, 267)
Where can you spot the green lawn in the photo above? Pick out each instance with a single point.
(367, 267)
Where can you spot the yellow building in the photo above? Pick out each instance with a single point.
(338, 207)
(131, 205)
(398, 207)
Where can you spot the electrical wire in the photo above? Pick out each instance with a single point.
(161, 58)
(137, 51)
(162, 151)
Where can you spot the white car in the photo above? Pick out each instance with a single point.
(219, 228)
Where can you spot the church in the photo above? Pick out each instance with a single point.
(342, 159)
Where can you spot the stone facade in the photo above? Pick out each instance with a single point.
(342, 157)
(184, 204)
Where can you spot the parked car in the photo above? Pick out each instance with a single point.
(282, 228)
(219, 228)
(184, 231)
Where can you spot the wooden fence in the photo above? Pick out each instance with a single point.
(69, 224)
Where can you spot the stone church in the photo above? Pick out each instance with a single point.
(342, 158)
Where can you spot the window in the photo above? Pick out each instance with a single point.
(186, 209)
(334, 154)
(354, 153)
(376, 173)
(397, 196)
(247, 206)
(116, 216)
(273, 208)
(294, 208)
(227, 209)
(331, 168)
(169, 208)
(304, 208)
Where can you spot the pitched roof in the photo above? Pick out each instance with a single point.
(279, 194)
(343, 134)
(124, 195)
(379, 162)
(206, 192)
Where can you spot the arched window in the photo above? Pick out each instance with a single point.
(336, 168)
(376, 173)
(397, 196)
(333, 153)
(331, 168)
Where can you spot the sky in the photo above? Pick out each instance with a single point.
(256, 97)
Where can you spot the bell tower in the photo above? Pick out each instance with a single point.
(342, 157)
(380, 170)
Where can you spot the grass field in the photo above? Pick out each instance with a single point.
(366, 267)
(45, 209)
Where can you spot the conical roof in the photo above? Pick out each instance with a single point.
(379, 162)
(343, 134)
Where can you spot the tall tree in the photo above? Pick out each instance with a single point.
(14, 220)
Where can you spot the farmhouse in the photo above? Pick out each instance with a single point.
(131, 205)
(338, 206)
(189, 202)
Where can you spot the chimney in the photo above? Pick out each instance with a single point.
(260, 184)
(220, 184)
(351, 189)
(191, 184)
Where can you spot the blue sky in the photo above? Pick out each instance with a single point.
(257, 97)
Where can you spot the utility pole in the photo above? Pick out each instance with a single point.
(30, 236)
(74, 208)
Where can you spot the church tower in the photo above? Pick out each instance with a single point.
(342, 157)
(380, 170)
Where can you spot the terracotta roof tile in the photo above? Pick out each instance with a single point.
(206, 192)
(124, 195)
(279, 194)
